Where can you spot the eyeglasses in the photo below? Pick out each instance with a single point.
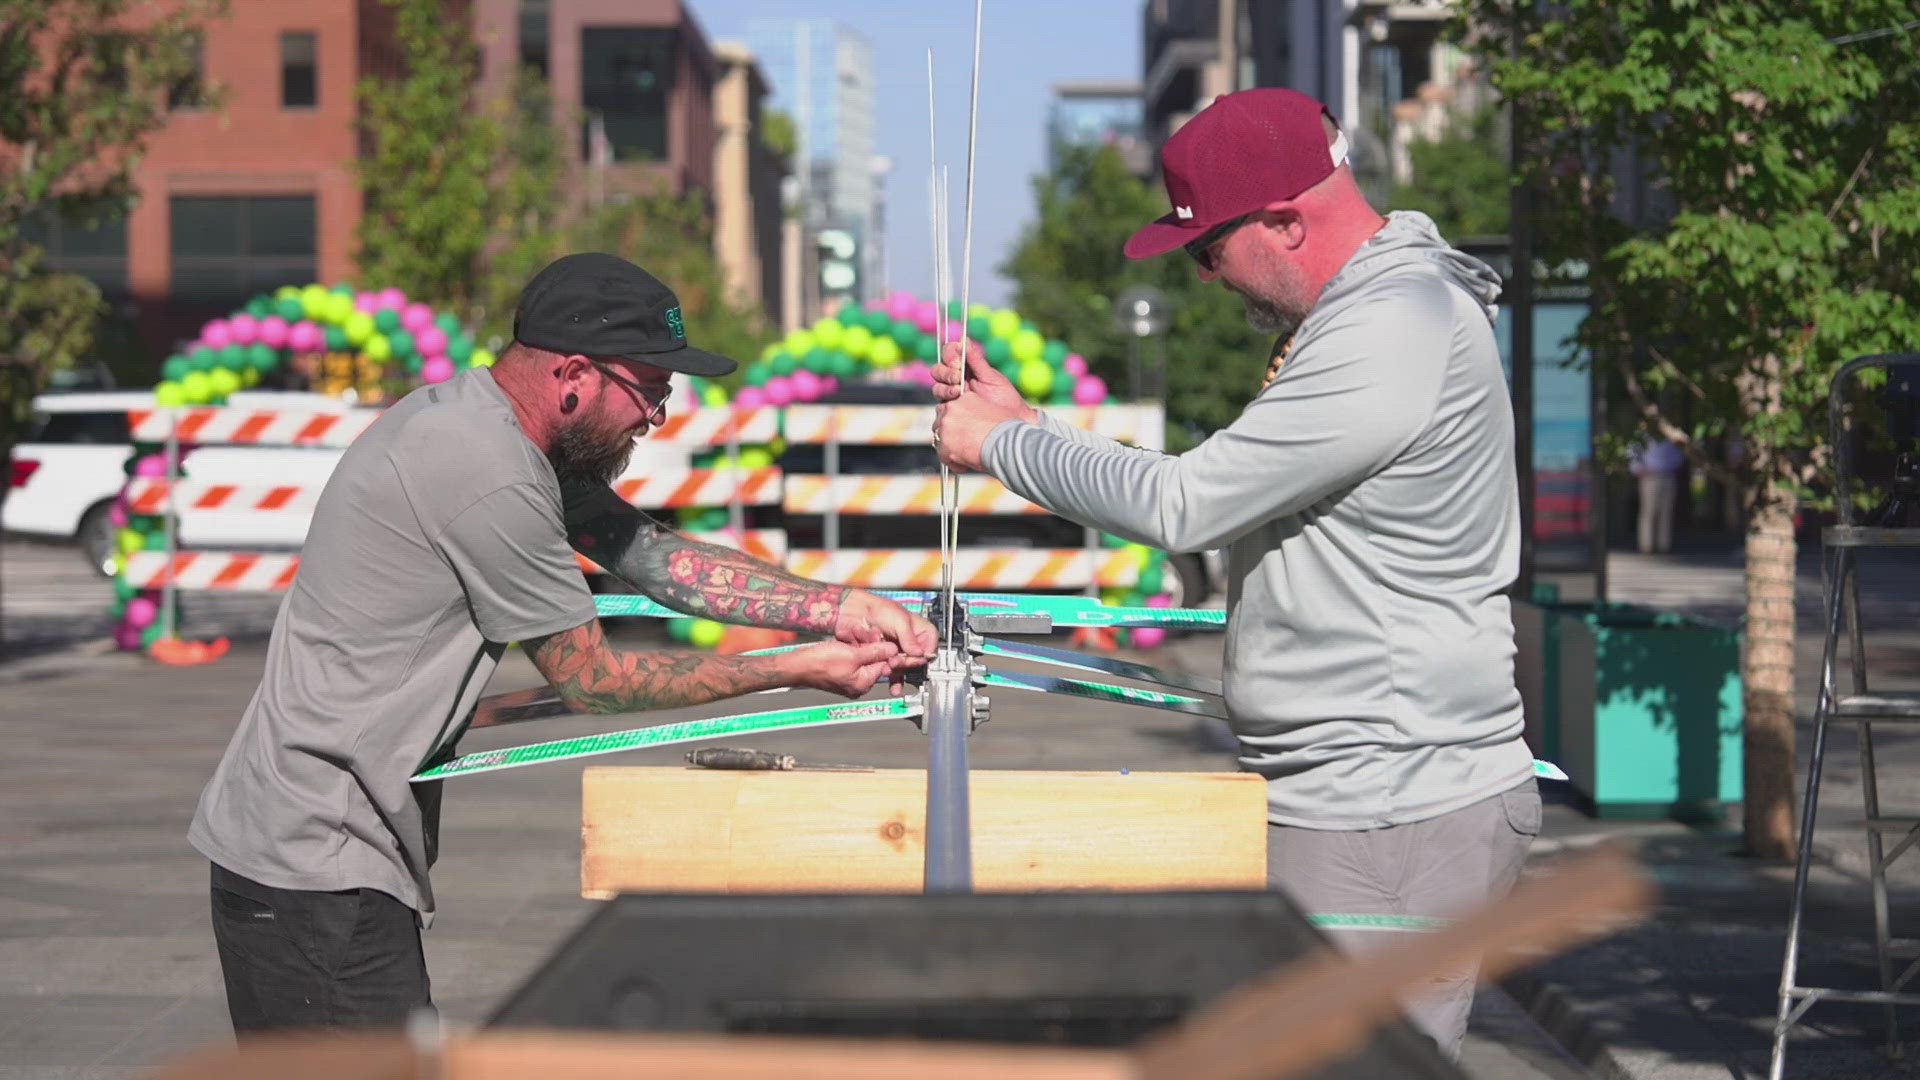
(655, 395)
(1201, 248)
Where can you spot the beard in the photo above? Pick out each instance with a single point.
(1266, 316)
(585, 449)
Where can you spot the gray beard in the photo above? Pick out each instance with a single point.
(1269, 317)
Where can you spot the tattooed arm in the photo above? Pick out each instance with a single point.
(593, 677)
(719, 583)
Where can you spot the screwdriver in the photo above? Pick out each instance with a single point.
(740, 758)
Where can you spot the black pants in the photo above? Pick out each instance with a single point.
(296, 959)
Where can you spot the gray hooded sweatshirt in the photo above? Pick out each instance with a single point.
(1369, 508)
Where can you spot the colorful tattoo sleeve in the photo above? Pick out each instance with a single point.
(592, 677)
(700, 579)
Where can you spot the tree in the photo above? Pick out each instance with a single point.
(1786, 136)
(1068, 268)
(427, 173)
(1460, 179)
(82, 85)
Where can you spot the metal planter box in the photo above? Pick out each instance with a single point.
(1650, 711)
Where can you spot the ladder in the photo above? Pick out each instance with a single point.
(1888, 837)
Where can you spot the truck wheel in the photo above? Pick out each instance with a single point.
(96, 537)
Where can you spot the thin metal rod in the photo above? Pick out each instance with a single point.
(966, 242)
(938, 218)
(171, 526)
(949, 866)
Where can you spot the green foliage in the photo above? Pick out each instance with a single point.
(426, 175)
(672, 238)
(1068, 268)
(779, 134)
(526, 208)
(1461, 180)
(81, 87)
(1787, 143)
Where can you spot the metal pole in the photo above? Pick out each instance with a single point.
(168, 523)
(949, 713)
(830, 455)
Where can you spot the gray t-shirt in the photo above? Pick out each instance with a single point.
(438, 539)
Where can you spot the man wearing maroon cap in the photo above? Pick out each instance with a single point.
(1369, 506)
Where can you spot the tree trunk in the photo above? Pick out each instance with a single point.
(1767, 673)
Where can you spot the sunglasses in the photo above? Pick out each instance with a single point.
(1201, 247)
(654, 395)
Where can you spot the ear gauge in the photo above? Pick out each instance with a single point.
(571, 402)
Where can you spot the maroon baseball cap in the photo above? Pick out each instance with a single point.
(1247, 149)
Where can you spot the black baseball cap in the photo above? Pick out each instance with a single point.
(601, 305)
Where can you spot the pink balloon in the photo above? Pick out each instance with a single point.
(118, 514)
(301, 334)
(828, 385)
(926, 316)
(127, 637)
(779, 390)
(243, 328)
(1148, 637)
(436, 369)
(900, 305)
(749, 397)
(416, 317)
(151, 465)
(141, 612)
(273, 331)
(216, 334)
(1160, 600)
(1075, 365)
(806, 385)
(391, 297)
(1089, 390)
(367, 301)
(431, 342)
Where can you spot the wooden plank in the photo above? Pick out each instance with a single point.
(664, 829)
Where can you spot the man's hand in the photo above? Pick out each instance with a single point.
(961, 423)
(840, 668)
(866, 618)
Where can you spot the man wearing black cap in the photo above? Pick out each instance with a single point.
(1368, 503)
(442, 536)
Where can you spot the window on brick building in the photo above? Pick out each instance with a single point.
(189, 91)
(94, 250)
(226, 248)
(299, 69)
(626, 76)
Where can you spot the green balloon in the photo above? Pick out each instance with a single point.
(879, 321)
(978, 328)
(1108, 540)
(927, 347)
(124, 590)
(386, 320)
(345, 287)
(336, 339)
(262, 357)
(818, 361)
(842, 365)
(459, 348)
(402, 343)
(174, 368)
(448, 322)
(260, 307)
(784, 363)
(1062, 392)
(1055, 352)
(953, 309)
(202, 359)
(231, 355)
(680, 630)
(290, 308)
(758, 374)
(903, 332)
(1151, 579)
(411, 362)
(999, 351)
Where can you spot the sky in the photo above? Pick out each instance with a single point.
(1025, 47)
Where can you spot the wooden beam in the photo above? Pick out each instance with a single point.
(663, 829)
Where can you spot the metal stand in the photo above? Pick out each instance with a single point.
(949, 722)
(1840, 545)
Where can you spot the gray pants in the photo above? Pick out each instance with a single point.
(1445, 866)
